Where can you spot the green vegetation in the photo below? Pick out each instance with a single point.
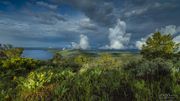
(79, 76)
(159, 46)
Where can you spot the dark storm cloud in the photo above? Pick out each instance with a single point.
(141, 16)
(34, 19)
(87, 24)
(106, 12)
(149, 15)
(99, 11)
(50, 6)
(49, 18)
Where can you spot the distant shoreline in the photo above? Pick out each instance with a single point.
(41, 48)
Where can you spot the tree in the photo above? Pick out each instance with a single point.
(8, 51)
(159, 45)
(13, 52)
(57, 59)
(81, 59)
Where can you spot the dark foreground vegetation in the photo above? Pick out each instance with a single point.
(152, 75)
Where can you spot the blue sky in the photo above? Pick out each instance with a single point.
(114, 24)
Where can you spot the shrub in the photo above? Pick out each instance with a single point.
(95, 84)
(63, 63)
(69, 63)
(150, 69)
(42, 84)
(176, 92)
(35, 85)
(63, 75)
(157, 75)
(176, 83)
(15, 63)
(142, 92)
(36, 80)
(81, 59)
(12, 52)
(18, 66)
(107, 61)
(10, 70)
(57, 59)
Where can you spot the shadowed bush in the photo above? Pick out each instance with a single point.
(95, 84)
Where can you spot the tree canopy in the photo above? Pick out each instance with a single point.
(159, 45)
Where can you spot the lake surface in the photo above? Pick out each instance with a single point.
(37, 54)
(45, 54)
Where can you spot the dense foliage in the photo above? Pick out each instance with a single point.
(83, 77)
(159, 46)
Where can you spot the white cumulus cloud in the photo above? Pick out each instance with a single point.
(170, 29)
(83, 43)
(118, 37)
(177, 39)
(139, 43)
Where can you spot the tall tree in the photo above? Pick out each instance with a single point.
(159, 45)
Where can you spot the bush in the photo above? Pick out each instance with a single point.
(11, 52)
(176, 83)
(95, 84)
(64, 63)
(107, 61)
(10, 70)
(15, 63)
(142, 92)
(32, 86)
(63, 75)
(36, 80)
(42, 84)
(57, 59)
(19, 66)
(176, 92)
(150, 69)
(81, 59)
(157, 75)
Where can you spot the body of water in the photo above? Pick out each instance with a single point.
(37, 54)
(44, 54)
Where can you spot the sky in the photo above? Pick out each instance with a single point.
(87, 24)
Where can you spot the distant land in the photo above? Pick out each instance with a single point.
(87, 50)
